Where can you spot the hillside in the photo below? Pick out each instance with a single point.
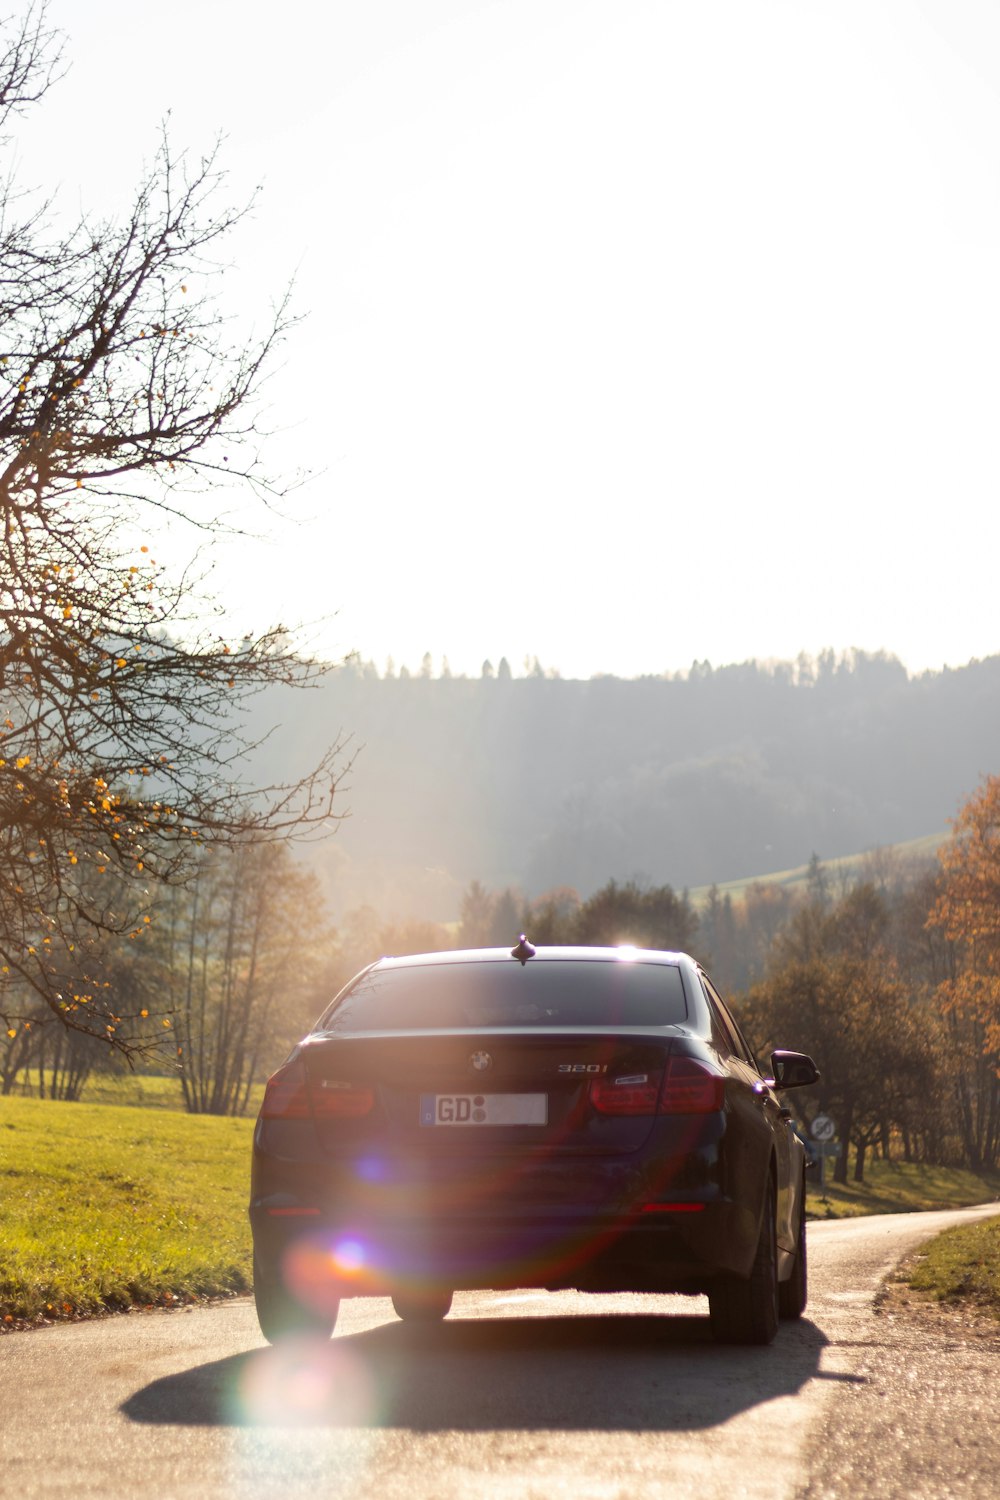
(844, 871)
(540, 782)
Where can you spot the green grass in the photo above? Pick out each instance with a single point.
(148, 1090)
(900, 1187)
(962, 1264)
(141, 1089)
(105, 1207)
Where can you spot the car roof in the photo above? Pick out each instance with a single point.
(623, 954)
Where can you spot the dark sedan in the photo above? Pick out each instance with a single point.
(562, 1117)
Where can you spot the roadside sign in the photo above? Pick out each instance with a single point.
(823, 1128)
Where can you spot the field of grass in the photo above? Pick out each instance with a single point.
(901, 1187)
(149, 1090)
(104, 1206)
(962, 1265)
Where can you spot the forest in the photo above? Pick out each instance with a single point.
(712, 776)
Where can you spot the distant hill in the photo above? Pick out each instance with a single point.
(847, 868)
(540, 782)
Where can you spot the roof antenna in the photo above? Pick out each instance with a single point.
(523, 950)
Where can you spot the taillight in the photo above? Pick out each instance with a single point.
(691, 1088)
(626, 1094)
(290, 1096)
(664, 1208)
(286, 1096)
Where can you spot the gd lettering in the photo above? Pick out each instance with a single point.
(458, 1110)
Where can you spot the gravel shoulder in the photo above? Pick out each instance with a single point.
(920, 1423)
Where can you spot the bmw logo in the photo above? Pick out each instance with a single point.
(480, 1062)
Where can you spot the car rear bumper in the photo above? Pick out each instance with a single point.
(671, 1248)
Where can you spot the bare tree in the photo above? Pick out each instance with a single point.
(240, 951)
(123, 402)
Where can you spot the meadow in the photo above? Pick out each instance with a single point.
(146, 1090)
(894, 1187)
(106, 1207)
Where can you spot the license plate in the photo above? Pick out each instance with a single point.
(484, 1109)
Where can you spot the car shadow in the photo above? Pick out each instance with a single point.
(610, 1373)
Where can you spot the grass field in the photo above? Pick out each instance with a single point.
(901, 1187)
(148, 1090)
(107, 1206)
(962, 1265)
(104, 1206)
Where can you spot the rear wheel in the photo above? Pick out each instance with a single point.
(282, 1316)
(792, 1294)
(422, 1307)
(744, 1310)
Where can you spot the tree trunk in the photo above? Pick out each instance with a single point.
(860, 1148)
(847, 1124)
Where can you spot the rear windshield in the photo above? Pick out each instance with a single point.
(553, 993)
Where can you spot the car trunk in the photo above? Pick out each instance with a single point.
(471, 1095)
(535, 1091)
(443, 1136)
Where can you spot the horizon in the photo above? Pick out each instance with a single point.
(532, 668)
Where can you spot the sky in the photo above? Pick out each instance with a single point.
(633, 334)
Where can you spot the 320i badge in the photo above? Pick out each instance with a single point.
(566, 1117)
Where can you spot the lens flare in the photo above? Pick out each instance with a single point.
(348, 1257)
(371, 1169)
(303, 1383)
(310, 1275)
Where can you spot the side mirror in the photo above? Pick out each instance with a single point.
(793, 1070)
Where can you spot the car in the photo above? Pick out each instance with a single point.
(559, 1117)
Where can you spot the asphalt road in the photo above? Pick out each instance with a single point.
(516, 1395)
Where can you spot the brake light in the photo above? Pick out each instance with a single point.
(672, 1208)
(692, 1088)
(689, 1087)
(628, 1094)
(285, 1095)
(289, 1096)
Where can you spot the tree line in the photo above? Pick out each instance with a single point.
(890, 978)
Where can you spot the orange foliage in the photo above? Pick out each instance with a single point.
(968, 909)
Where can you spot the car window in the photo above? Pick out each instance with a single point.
(571, 992)
(747, 1050)
(737, 1041)
(722, 1038)
(723, 1035)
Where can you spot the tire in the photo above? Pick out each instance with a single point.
(282, 1316)
(793, 1293)
(744, 1309)
(422, 1307)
